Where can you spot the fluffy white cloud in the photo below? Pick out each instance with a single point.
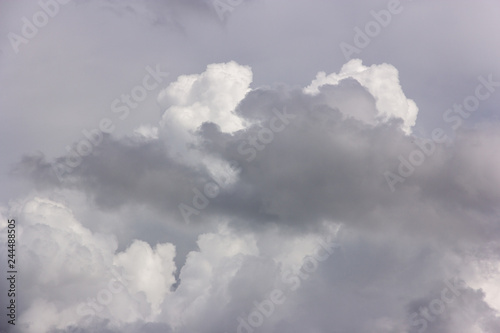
(149, 271)
(209, 96)
(192, 100)
(86, 283)
(382, 82)
(115, 254)
(72, 275)
(205, 278)
(396, 255)
(76, 278)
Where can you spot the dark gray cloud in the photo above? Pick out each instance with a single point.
(320, 166)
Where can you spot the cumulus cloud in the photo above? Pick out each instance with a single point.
(214, 119)
(232, 274)
(210, 96)
(71, 274)
(86, 283)
(265, 185)
(382, 83)
(192, 100)
(287, 166)
(317, 164)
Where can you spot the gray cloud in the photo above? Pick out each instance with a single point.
(138, 238)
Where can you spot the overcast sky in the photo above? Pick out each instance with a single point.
(251, 165)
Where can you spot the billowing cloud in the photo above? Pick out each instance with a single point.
(71, 274)
(246, 192)
(234, 279)
(382, 82)
(75, 278)
(213, 120)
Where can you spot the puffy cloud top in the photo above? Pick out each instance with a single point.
(382, 82)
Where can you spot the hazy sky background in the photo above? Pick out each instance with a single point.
(262, 100)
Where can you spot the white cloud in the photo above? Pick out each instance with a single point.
(149, 271)
(60, 254)
(399, 249)
(72, 272)
(209, 96)
(206, 276)
(191, 100)
(382, 82)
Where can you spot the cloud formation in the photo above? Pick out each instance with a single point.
(302, 162)
(382, 83)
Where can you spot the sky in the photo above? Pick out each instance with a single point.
(221, 166)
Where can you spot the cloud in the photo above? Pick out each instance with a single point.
(266, 159)
(383, 84)
(320, 164)
(306, 161)
(192, 100)
(231, 271)
(125, 289)
(188, 153)
(70, 273)
(149, 271)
